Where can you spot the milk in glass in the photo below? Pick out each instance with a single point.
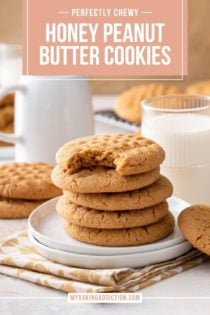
(185, 138)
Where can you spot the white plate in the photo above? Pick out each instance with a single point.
(115, 261)
(47, 227)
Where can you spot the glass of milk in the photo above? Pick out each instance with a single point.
(181, 125)
(10, 64)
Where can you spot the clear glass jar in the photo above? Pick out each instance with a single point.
(181, 125)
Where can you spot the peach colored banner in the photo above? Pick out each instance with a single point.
(100, 38)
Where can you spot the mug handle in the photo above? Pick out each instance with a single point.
(11, 137)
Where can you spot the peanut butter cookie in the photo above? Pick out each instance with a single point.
(29, 181)
(136, 199)
(6, 116)
(17, 209)
(123, 237)
(128, 153)
(194, 223)
(100, 180)
(128, 106)
(199, 88)
(7, 99)
(109, 219)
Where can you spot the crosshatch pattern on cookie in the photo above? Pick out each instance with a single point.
(128, 154)
(29, 181)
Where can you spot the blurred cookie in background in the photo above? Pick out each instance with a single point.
(128, 104)
(23, 187)
(9, 128)
(7, 116)
(199, 88)
(7, 99)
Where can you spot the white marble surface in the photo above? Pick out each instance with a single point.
(186, 293)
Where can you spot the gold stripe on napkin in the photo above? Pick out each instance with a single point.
(18, 258)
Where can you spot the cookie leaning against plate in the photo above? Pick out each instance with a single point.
(17, 209)
(100, 179)
(132, 200)
(194, 223)
(128, 106)
(29, 181)
(127, 153)
(109, 219)
(123, 237)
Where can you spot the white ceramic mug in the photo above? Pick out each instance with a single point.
(49, 111)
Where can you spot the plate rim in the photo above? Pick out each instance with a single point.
(57, 251)
(73, 248)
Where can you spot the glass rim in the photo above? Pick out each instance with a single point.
(145, 103)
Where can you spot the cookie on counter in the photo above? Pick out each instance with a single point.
(128, 106)
(127, 153)
(131, 200)
(17, 209)
(27, 181)
(194, 223)
(122, 237)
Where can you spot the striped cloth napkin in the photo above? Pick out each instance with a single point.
(18, 258)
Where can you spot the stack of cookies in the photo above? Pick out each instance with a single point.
(7, 115)
(114, 194)
(23, 187)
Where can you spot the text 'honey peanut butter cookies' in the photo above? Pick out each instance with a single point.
(17, 209)
(128, 154)
(123, 237)
(194, 223)
(31, 181)
(100, 180)
(109, 219)
(136, 199)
